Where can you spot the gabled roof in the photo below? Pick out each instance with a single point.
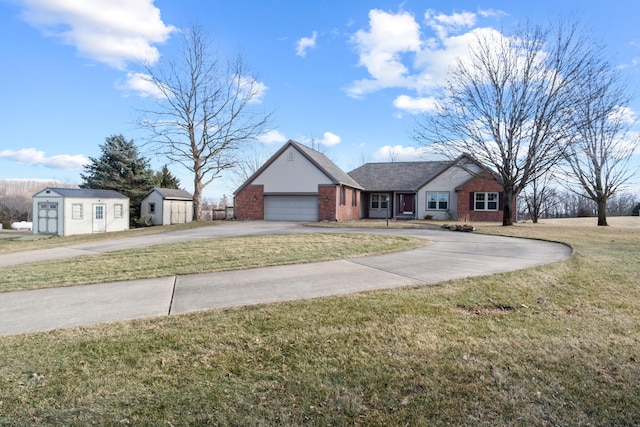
(319, 160)
(171, 193)
(397, 176)
(86, 193)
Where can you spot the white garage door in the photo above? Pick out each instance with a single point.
(291, 208)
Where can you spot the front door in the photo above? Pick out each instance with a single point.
(99, 218)
(406, 203)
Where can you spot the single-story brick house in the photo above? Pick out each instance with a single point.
(443, 190)
(165, 206)
(301, 184)
(70, 211)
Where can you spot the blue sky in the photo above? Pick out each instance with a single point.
(347, 74)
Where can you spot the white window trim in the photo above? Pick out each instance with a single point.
(486, 201)
(437, 208)
(118, 210)
(76, 214)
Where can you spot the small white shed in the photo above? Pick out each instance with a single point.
(70, 211)
(167, 206)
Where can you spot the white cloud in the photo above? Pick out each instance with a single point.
(114, 32)
(272, 136)
(415, 105)
(328, 139)
(34, 157)
(253, 89)
(400, 153)
(141, 84)
(443, 24)
(306, 43)
(397, 53)
(381, 48)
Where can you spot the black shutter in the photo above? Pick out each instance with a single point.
(472, 201)
(501, 201)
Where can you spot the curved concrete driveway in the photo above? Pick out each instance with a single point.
(450, 256)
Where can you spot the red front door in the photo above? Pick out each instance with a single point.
(406, 203)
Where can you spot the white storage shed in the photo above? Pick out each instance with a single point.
(70, 211)
(167, 206)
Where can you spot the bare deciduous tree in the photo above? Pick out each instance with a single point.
(204, 110)
(507, 104)
(597, 160)
(539, 198)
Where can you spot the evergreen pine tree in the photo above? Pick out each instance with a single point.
(165, 179)
(120, 168)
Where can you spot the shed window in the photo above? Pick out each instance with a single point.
(152, 208)
(343, 195)
(354, 197)
(118, 211)
(76, 211)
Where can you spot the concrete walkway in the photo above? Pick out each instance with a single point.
(450, 256)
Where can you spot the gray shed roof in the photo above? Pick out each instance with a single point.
(86, 193)
(397, 176)
(171, 193)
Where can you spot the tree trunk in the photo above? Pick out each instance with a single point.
(602, 212)
(197, 198)
(507, 217)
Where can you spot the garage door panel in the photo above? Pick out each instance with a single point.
(291, 208)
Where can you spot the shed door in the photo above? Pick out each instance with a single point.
(99, 218)
(48, 217)
(178, 212)
(291, 208)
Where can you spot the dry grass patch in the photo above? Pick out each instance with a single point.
(200, 256)
(552, 345)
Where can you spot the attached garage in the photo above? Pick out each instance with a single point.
(291, 208)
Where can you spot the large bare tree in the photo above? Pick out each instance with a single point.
(507, 103)
(597, 160)
(205, 110)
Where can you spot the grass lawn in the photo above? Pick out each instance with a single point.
(16, 241)
(551, 345)
(200, 256)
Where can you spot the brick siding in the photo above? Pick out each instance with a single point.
(480, 184)
(248, 209)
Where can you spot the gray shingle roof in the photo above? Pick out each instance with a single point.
(397, 176)
(172, 194)
(87, 193)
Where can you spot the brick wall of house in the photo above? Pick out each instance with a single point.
(349, 211)
(327, 201)
(248, 209)
(465, 213)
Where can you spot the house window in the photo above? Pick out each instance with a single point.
(290, 155)
(76, 211)
(379, 201)
(118, 211)
(343, 195)
(486, 201)
(437, 200)
(152, 208)
(354, 197)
